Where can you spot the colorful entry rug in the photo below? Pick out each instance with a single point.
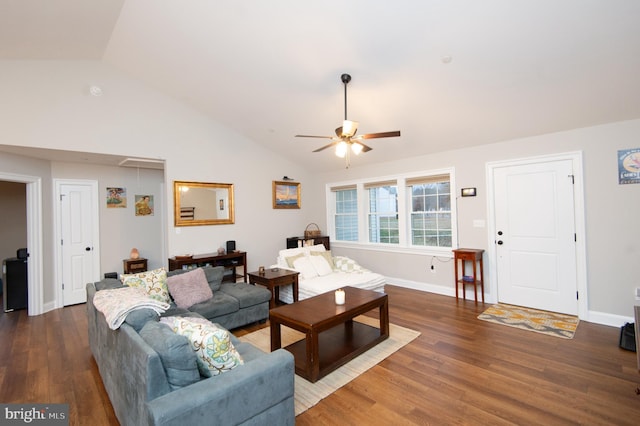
(545, 322)
(308, 394)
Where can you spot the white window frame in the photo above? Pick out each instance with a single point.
(404, 244)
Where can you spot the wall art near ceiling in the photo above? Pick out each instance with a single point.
(286, 195)
(144, 205)
(116, 197)
(629, 166)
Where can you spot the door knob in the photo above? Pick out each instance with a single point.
(499, 232)
(500, 242)
(87, 248)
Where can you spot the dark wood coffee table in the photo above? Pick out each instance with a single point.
(332, 337)
(273, 279)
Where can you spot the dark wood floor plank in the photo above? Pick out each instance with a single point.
(460, 370)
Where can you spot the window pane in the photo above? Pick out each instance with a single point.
(383, 215)
(346, 217)
(431, 214)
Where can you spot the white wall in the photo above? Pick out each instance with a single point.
(612, 210)
(46, 104)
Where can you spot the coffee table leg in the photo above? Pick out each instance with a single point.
(276, 342)
(313, 357)
(384, 318)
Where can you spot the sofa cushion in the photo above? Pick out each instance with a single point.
(190, 288)
(246, 294)
(153, 282)
(108, 284)
(214, 276)
(178, 358)
(211, 343)
(321, 266)
(305, 267)
(220, 304)
(139, 317)
(327, 256)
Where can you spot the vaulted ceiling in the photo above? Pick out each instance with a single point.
(448, 74)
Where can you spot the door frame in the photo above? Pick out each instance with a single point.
(57, 233)
(579, 217)
(35, 283)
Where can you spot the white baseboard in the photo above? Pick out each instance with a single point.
(602, 318)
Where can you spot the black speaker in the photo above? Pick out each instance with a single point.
(231, 246)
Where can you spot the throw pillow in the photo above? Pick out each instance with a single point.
(305, 267)
(212, 345)
(178, 359)
(320, 265)
(189, 288)
(291, 259)
(153, 282)
(327, 256)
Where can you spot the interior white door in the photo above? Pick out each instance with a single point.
(77, 229)
(535, 236)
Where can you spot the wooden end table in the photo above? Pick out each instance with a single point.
(332, 337)
(273, 279)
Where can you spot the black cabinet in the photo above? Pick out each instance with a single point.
(293, 242)
(14, 284)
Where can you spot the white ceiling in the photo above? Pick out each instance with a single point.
(271, 69)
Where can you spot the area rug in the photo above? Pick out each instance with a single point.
(308, 394)
(545, 322)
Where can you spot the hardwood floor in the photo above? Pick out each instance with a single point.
(459, 371)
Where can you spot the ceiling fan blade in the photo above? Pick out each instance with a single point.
(365, 148)
(325, 147)
(312, 136)
(381, 135)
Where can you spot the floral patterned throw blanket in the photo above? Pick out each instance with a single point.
(116, 303)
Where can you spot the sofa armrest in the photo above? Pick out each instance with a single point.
(233, 397)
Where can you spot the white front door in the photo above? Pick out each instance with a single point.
(535, 235)
(78, 217)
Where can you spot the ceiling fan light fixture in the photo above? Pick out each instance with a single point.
(356, 148)
(341, 149)
(349, 128)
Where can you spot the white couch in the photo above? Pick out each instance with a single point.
(321, 272)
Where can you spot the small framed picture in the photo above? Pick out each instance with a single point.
(286, 195)
(116, 197)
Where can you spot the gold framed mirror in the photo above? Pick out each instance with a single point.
(201, 203)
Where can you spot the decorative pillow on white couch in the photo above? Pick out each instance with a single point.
(189, 288)
(212, 344)
(321, 265)
(305, 267)
(153, 282)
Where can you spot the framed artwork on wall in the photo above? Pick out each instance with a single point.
(116, 197)
(286, 195)
(144, 205)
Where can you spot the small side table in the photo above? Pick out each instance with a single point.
(474, 256)
(273, 280)
(134, 266)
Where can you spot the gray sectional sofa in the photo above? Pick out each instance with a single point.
(141, 384)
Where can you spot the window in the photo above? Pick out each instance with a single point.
(408, 212)
(346, 214)
(430, 211)
(383, 214)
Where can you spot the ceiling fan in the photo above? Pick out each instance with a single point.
(346, 140)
